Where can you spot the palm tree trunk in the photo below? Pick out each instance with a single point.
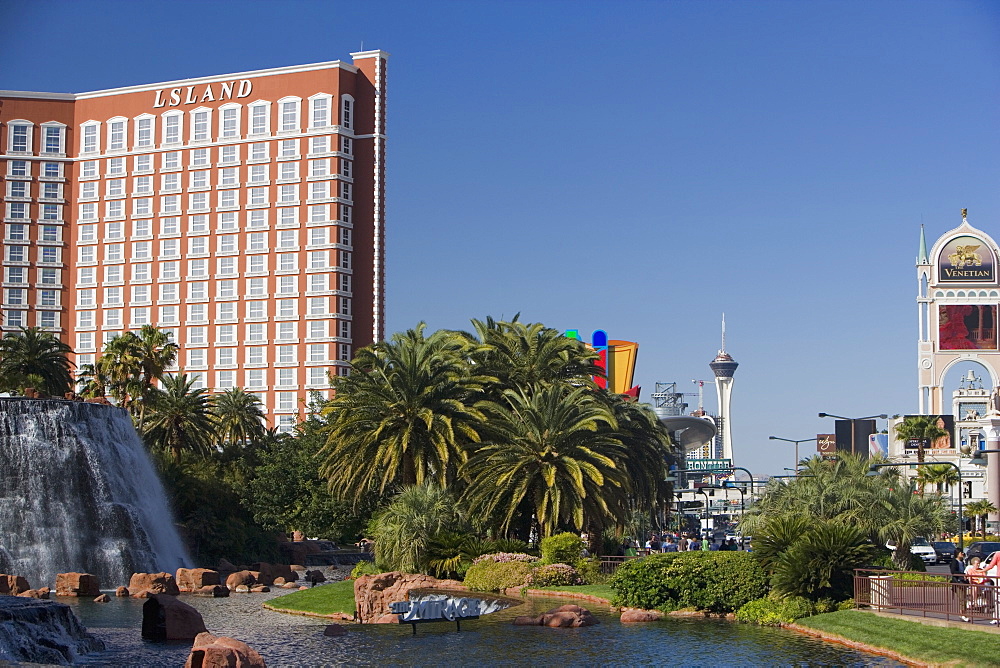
(409, 469)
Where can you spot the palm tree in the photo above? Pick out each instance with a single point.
(553, 449)
(403, 414)
(404, 530)
(942, 476)
(180, 418)
(32, 356)
(239, 419)
(979, 510)
(919, 428)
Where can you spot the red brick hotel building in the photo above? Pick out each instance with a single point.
(242, 212)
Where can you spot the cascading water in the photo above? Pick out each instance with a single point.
(78, 492)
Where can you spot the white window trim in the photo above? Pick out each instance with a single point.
(208, 124)
(180, 128)
(298, 115)
(239, 121)
(267, 118)
(329, 111)
(30, 137)
(340, 111)
(62, 139)
(110, 123)
(152, 131)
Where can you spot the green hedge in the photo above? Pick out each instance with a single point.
(716, 582)
(562, 548)
(774, 612)
(493, 576)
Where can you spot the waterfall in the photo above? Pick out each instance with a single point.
(78, 492)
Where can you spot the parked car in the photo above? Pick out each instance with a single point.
(945, 551)
(921, 547)
(982, 549)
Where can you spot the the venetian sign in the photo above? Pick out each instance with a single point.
(966, 259)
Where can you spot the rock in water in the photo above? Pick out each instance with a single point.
(220, 651)
(77, 584)
(79, 493)
(13, 584)
(33, 631)
(164, 617)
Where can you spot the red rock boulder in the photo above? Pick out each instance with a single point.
(103, 598)
(165, 617)
(270, 572)
(121, 592)
(154, 583)
(374, 593)
(77, 584)
(213, 591)
(13, 584)
(192, 579)
(211, 651)
(241, 578)
(334, 630)
(42, 593)
(631, 616)
(565, 616)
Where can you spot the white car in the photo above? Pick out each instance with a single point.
(920, 547)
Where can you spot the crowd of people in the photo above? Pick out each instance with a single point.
(978, 584)
(671, 542)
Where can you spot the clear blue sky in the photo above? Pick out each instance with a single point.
(635, 166)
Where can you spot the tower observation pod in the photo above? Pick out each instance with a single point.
(724, 367)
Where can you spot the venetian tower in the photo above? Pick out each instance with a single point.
(724, 366)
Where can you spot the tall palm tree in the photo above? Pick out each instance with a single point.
(31, 356)
(180, 418)
(942, 476)
(552, 448)
(403, 414)
(239, 419)
(921, 428)
(978, 511)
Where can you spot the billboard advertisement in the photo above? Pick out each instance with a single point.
(946, 442)
(967, 327)
(878, 444)
(966, 259)
(826, 444)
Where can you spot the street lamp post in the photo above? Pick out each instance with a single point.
(873, 471)
(796, 442)
(854, 421)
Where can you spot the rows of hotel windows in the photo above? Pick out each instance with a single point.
(21, 138)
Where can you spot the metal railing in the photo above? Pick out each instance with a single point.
(610, 564)
(928, 594)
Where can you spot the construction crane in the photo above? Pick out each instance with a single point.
(701, 395)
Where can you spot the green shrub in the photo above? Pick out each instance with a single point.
(363, 568)
(555, 575)
(494, 576)
(717, 582)
(846, 605)
(562, 548)
(884, 560)
(590, 570)
(821, 562)
(771, 611)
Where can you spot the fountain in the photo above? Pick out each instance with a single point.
(78, 492)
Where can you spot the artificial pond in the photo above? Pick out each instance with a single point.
(292, 640)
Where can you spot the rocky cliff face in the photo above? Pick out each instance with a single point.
(34, 631)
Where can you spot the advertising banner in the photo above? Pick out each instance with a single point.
(708, 464)
(966, 259)
(967, 327)
(826, 444)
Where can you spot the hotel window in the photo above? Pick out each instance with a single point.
(89, 170)
(142, 185)
(19, 168)
(197, 246)
(227, 221)
(168, 292)
(344, 352)
(320, 108)
(287, 262)
(317, 376)
(318, 283)
(17, 253)
(287, 285)
(345, 306)
(257, 174)
(170, 204)
(259, 119)
(229, 177)
(319, 212)
(288, 216)
(317, 306)
(225, 380)
(17, 189)
(227, 199)
(199, 179)
(168, 314)
(141, 250)
(225, 311)
(113, 274)
(168, 270)
(319, 236)
(17, 210)
(48, 319)
(85, 297)
(345, 213)
(142, 206)
(143, 132)
(317, 352)
(319, 190)
(346, 190)
(116, 167)
(289, 114)
(142, 228)
(51, 190)
(170, 225)
(198, 202)
(86, 253)
(347, 112)
(227, 243)
(112, 296)
(345, 329)
(198, 268)
(258, 196)
(287, 238)
(319, 145)
(53, 139)
(288, 170)
(286, 401)
(52, 170)
(113, 252)
(257, 264)
(198, 224)
(197, 312)
(319, 259)
(88, 233)
(227, 266)
(226, 333)
(88, 190)
(286, 308)
(288, 148)
(229, 121)
(256, 287)
(140, 271)
(345, 259)
(260, 151)
(16, 275)
(196, 358)
(50, 254)
(199, 125)
(17, 232)
(90, 135)
(84, 319)
(196, 335)
(229, 154)
(14, 318)
(140, 294)
(140, 316)
(258, 219)
(255, 377)
(257, 309)
(197, 381)
(198, 290)
(15, 296)
(116, 188)
(347, 145)
(171, 160)
(115, 209)
(346, 168)
(317, 329)
(288, 194)
(319, 167)
(199, 157)
(116, 135)
(143, 163)
(172, 127)
(112, 317)
(51, 233)
(19, 137)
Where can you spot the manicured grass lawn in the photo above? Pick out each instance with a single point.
(956, 647)
(324, 600)
(600, 591)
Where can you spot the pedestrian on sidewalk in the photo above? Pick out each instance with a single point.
(959, 583)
